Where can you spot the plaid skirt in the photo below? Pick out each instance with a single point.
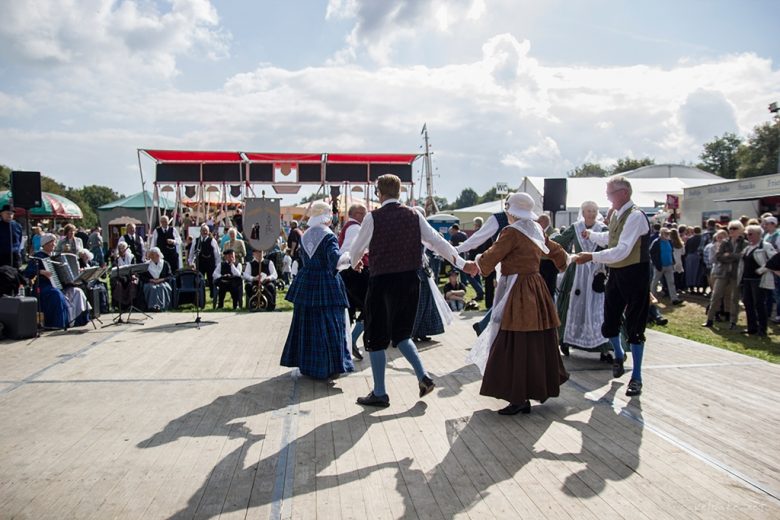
(427, 321)
(317, 342)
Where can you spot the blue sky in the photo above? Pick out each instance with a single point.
(507, 87)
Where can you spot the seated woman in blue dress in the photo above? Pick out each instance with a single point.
(61, 308)
(318, 341)
(156, 287)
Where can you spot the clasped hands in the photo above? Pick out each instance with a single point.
(582, 258)
(471, 268)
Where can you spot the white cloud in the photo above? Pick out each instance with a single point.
(497, 117)
(123, 38)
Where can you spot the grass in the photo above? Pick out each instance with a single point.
(685, 322)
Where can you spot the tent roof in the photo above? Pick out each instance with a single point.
(136, 201)
(659, 171)
(197, 157)
(184, 156)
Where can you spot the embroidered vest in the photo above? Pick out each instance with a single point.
(343, 233)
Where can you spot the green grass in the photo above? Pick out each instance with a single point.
(685, 322)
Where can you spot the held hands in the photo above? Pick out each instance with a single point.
(582, 258)
(471, 268)
(359, 266)
(585, 234)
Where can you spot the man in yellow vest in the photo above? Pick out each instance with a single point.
(628, 287)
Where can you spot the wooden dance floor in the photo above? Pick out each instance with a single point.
(165, 421)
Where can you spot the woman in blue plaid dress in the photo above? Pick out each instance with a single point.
(318, 340)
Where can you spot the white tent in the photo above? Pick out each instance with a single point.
(650, 184)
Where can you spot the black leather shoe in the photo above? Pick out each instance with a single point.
(356, 354)
(707, 324)
(634, 388)
(565, 349)
(514, 409)
(661, 321)
(617, 367)
(426, 386)
(422, 339)
(677, 302)
(476, 328)
(374, 400)
(749, 332)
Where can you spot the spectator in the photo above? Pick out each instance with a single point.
(757, 280)
(772, 237)
(725, 275)
(662, 257)
(678, 250)
(455, 292)
(294, 241)
(10, 238)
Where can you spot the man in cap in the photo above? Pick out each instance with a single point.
(10, 238)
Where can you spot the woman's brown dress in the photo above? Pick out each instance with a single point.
(524, 361)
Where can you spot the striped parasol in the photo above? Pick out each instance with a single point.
(54, 206)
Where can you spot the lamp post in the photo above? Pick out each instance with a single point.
(775, 110)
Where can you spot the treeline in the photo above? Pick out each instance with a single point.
(88, 198)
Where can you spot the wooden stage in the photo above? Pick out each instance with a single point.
(165, 421)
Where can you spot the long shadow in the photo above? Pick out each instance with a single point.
(230, 485)
(609, 451)
(485, 449)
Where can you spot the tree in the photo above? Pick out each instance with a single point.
(759, 156)
(466, 199)
(5, 177)
(626, 164)
(489, 196)
(588, 170)
(720, 156)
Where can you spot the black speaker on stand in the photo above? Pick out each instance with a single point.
(554, 199)
(26, 189)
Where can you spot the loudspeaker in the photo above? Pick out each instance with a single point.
(26, 189)
(554, 195)
(18, 316)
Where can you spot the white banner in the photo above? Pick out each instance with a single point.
(262, 222)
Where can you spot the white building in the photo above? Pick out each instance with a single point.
(731, 199)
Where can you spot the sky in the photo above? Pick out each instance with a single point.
(507, 88)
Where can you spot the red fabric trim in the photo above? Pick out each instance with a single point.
(284, 157)
(185, 156)
(385, 158)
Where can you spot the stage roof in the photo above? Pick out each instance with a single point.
(198, 157)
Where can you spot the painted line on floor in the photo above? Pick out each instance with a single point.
(281, 503)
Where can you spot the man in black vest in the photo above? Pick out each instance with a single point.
(393, 234)
(227, 278)
(204, 255)
(479, 242)
(168, 240)
(134, 243)
(261, 272)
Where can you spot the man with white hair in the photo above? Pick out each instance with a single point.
(627, 254)
(772, 237)
(168, 240)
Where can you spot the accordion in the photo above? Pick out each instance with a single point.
(64, 271)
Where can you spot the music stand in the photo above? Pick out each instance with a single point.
(198, 287)
(127, 271)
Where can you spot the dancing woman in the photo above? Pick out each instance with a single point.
(580, 308)
(518, 351)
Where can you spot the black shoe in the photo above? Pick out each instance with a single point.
(761, 334)
(634, 388)
(426, 386)
(617, 367)
(421, 339)
(514, 409)
(565, 349)
(677, 302)
(749, 332)
(476, 328)
(356, 354)
(374, 400)
(708, 324)
(606, 357)
(661, 321)
(733, 326)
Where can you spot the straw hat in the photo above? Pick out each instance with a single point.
(521, 205)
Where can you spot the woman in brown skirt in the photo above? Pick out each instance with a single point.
(518, 351)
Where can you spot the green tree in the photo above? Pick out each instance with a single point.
(5, 177)
(759, 155)
(626, 164)
(720, 156)
(466, 199)
(588, 170)
(489, 196)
